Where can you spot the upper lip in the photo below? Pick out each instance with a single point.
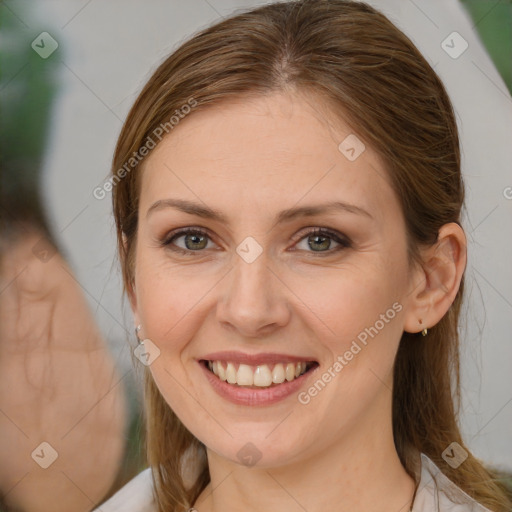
(255, 359)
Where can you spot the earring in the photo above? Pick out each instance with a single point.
(424, 332)
(137, 330)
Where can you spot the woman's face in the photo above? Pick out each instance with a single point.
(259, 289)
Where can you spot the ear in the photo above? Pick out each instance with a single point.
(436, 282)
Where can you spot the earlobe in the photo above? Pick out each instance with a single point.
(132, 296)
(438, 279)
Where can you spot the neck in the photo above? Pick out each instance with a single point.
(359, 473)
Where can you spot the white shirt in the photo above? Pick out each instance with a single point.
(436, 493)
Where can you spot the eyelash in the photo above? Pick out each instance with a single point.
(343, 241)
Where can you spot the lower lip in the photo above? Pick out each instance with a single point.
(252, 396)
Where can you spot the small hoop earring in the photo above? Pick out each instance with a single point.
(137, 330)
(424, 332)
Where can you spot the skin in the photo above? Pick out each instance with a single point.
(249, 160)
(59, 385)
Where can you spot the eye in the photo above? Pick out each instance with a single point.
(194, 240)
(319, 240)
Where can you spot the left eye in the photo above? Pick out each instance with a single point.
(320, 240)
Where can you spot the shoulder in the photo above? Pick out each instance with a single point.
(437, 493)
(135, 496)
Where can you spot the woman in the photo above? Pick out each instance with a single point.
(287, 194)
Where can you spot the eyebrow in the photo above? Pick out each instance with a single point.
(206, 212)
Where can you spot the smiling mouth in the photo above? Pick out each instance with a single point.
(259, 376)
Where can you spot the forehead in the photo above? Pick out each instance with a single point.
(249, 156)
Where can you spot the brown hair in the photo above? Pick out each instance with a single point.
(372, 76)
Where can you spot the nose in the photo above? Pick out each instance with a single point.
(254, 299)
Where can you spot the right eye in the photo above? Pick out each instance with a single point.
(194, 240)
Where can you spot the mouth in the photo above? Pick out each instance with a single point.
(258, 376)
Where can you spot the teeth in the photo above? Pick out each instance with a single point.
(290, 371)
(262, 375)
(244, 376)
(221, 372)
(278, 375)
(231, 373)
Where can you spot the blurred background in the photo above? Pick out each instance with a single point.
(71, 69)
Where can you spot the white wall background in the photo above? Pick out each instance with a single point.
(108, 50)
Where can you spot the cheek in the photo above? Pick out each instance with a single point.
(169, 293)
(170, 309)
(348, 302)
(168, 303)
(363, 312)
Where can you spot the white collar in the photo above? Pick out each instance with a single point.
(436, 493)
